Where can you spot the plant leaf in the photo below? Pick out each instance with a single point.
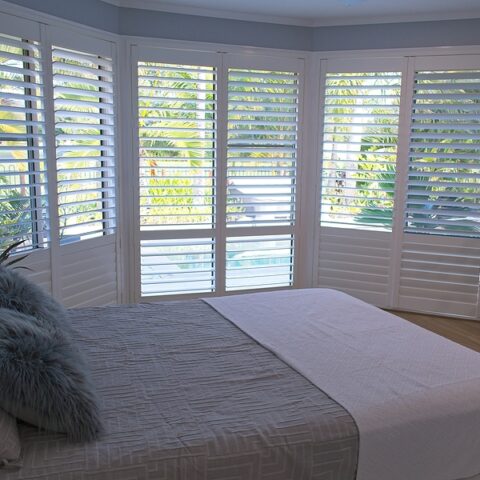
(16, 260)
(6, 253)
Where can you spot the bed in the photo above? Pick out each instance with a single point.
(199, 389)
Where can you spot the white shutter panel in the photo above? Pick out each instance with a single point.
(361, 115)
(177, 108)
(440, 265)
(177, 266)
(84, 124)
(440, 274)
(262, 147)
(263, 112)
(443, 195)
(360, 135)
(23, 181)
(259, 262)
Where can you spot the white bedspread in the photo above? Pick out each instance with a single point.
(414, 395)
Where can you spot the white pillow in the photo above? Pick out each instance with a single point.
(10, 445)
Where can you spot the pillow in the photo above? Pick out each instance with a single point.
(20, 294)
(44, 378)
(10, 444)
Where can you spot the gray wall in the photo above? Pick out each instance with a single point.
(398, 35)
(93, 13)
(138, 22)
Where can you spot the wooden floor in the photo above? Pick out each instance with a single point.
(465, 332)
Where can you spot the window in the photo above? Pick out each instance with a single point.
(177, 266)
(57, 159)
(263, 109)
(259, 262)
(83, 99)
(440, 255)
(177, 128)
(177, 109)
(23, 181)
(443, 196)
(361, 114)
(262, 147)
(217, 178)
(400, 182)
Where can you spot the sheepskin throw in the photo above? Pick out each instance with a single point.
(44, 379)
(43, 376)
(20, 294)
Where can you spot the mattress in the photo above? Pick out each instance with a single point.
(187, 395)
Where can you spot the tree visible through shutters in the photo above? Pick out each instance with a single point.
(84, 128)
(23, 180)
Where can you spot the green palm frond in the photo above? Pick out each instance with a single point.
(8, 251)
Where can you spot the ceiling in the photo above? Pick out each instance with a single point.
(316, 12)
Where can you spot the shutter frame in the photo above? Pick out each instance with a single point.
(85, 151)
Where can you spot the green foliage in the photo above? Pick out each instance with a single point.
(6, 253)
(385, 180)
(14, 216)
(437, 200)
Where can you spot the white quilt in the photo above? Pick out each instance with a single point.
(414, 395)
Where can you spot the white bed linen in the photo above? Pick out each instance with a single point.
(414, 395)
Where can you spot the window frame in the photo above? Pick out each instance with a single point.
(222, 62)
(406, 246)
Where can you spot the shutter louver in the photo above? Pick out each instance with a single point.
(177, 135)
(177, 266)
(262, 147)
(259, 262)
(84, 123)
(23, 180)
(361, 115)
(443, 196)
(439, 274)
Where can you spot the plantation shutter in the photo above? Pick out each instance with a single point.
(444, 175)
(440, 263)
(84, 126)
(361, 111)
(23, 180)
(177, 266)
(177, 130)
(83, 88)
(262, 151)
(361, 114)
(218, 149)
(254, 262)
